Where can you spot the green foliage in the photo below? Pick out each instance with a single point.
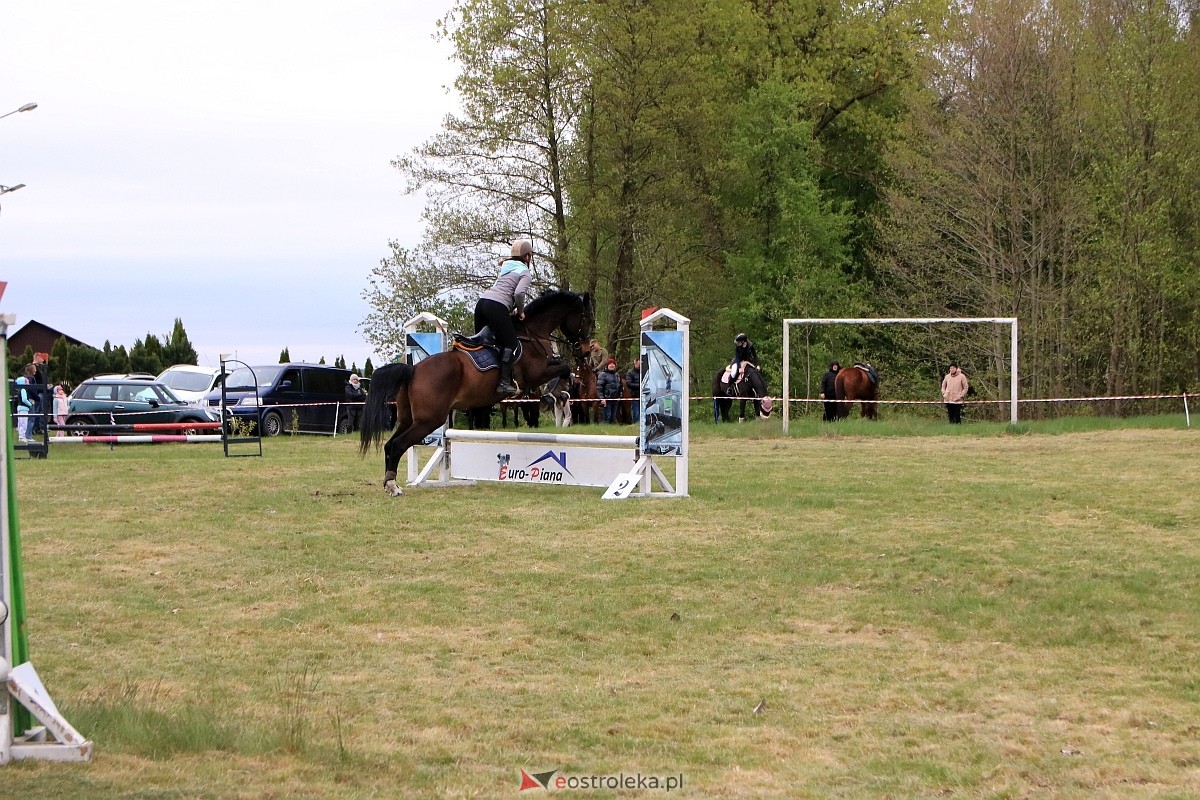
(284, 356)
(746, 162)
(178, 349)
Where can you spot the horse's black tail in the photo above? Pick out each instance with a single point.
(378, 415)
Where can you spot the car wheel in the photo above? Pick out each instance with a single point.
(189, 431)
(80, 421)
(272, 423)
(343, 425)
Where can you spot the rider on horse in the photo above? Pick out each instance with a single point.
(505, 300)
(743, 353)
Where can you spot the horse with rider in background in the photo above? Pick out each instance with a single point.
(748, 386)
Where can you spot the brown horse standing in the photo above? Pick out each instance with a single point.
(585, 408)
(854, 384)
(425, 393)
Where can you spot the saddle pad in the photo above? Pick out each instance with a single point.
(486, 358)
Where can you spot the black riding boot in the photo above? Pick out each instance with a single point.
(506, 379)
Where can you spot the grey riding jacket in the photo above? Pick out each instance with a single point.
(510, 288)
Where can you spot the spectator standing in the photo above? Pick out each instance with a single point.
(41, 394)
(608, 387)
(597, 357)
(633, 382)
(61, 406)
(25, 401)
(355, 397)
(954, 391)
(829, 391)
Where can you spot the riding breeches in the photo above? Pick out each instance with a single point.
(497, 317)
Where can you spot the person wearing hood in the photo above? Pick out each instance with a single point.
(829, 391)
(503, 301)
(608, 389)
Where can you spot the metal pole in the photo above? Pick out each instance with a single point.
(1015, 373)
(787, 383)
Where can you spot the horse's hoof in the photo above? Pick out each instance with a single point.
(392, 488)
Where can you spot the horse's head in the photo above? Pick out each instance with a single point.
(571, 313)
(580, 321)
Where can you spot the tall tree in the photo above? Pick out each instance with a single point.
(495, 172)
(1139, 268)
(982, 218)
(178, 348)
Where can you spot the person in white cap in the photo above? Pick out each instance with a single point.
(355, 397)
(505, 300)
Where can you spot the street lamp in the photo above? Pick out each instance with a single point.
(7, 189)
(26, 107)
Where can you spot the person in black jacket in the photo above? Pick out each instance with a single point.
(41, 394)
(633, 382)
(608, 388)
(355, 397)
(829, 391)
(743, 353)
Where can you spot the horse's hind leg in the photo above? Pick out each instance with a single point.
(399, 442)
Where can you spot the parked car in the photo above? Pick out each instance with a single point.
(124, 401)
(125, 376)
(275, 398)
(190, 382)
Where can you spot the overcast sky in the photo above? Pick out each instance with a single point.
(224, 162)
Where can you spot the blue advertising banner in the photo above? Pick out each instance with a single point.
(662, 393)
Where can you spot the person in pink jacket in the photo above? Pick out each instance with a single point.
(61, 408)
(954, 391)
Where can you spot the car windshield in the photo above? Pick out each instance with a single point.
(242, 380)
(167, 394)
(187, 381)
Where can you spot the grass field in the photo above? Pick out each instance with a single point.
(976, 615)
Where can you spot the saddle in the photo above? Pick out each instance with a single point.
(870, 370)
(482, 349)
(483, 338)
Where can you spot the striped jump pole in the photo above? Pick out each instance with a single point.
(138, 427)
(192, 438)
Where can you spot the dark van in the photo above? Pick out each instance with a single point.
(303, 398)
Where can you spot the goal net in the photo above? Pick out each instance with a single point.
(995, 346)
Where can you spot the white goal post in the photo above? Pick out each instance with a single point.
(1010, 321)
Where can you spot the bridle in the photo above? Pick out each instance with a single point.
(572, 341)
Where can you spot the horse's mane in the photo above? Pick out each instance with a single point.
(549, 298)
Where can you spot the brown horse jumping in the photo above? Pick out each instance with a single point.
(858, 383)
(425, 393)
